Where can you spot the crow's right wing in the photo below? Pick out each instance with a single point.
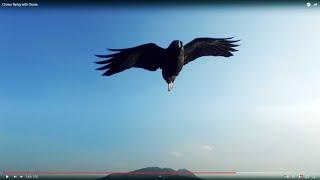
(208, 47)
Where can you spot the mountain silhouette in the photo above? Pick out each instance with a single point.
(153, 173)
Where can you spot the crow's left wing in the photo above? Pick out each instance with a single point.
(146, 56)
(208, 47)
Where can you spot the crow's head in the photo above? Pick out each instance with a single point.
(176, 44)
(170, 81)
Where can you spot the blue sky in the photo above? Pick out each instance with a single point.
(256, 111)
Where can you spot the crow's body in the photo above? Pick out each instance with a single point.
(171, 60)
(173, 63)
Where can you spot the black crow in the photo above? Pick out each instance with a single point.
(171, 60)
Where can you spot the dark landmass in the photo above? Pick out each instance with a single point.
(154, 173)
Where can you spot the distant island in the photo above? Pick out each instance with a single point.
(154, 173)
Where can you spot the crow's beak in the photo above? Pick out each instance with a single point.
(170, 86)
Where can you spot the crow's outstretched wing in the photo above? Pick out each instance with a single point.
(208, 47)
(147, 56)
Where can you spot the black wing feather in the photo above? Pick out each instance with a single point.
(209, 47)
(147, 56)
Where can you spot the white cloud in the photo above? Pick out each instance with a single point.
(176, 154)
(207, 147)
